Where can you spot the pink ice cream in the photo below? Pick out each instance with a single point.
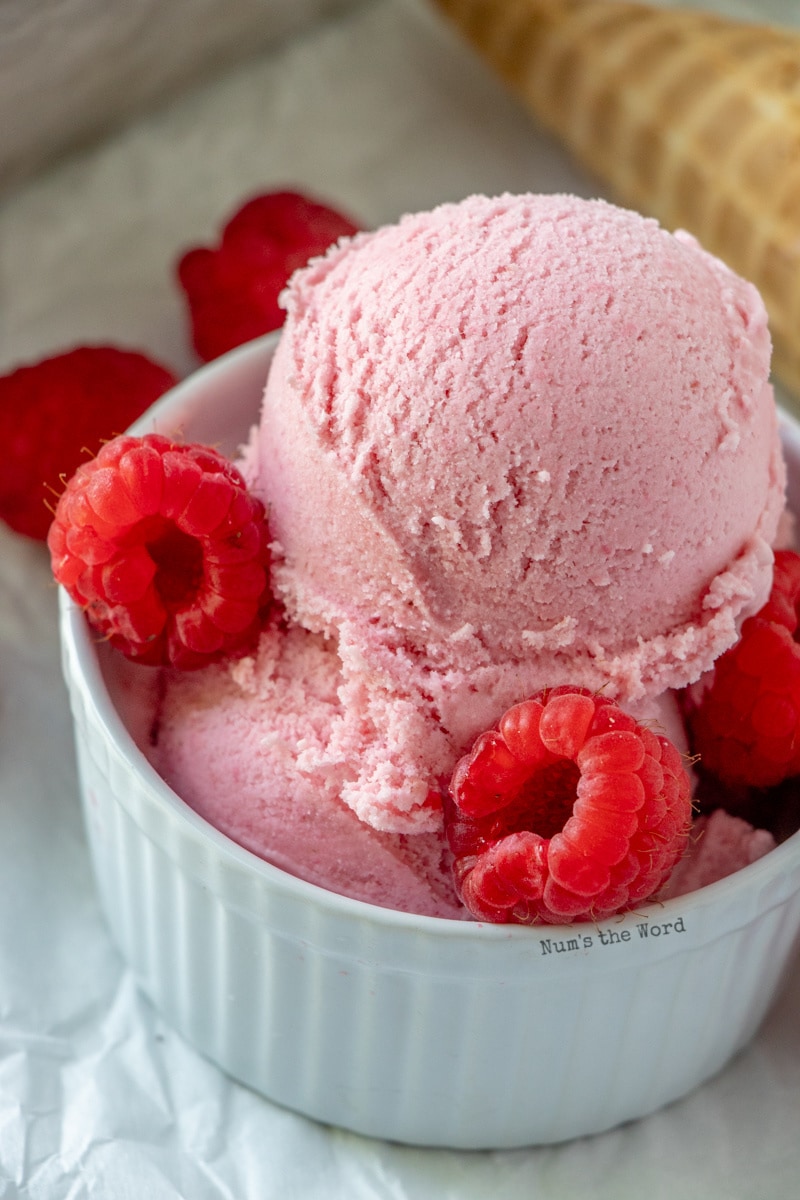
(719, 844)
(511, 443)
(242, 745)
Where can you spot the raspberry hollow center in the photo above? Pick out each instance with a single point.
(179, 565)
(544, 802)
(568, 810)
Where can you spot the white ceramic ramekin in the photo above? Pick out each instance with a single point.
(409, 1028)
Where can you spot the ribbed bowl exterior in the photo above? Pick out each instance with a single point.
(408, 1028)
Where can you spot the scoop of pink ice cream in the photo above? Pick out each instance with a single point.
(246, 745)
(719, 845)
(507, 444)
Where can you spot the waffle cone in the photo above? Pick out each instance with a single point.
(685, 115)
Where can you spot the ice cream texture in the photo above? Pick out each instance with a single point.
(511, 443)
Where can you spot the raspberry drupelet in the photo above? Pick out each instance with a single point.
(569, 810)
(746, 725)
(166, 550)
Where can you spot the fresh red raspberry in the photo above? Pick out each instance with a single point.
(746, 725)
(569, 810)
(55, 412)
(165, 549)
(233, 289)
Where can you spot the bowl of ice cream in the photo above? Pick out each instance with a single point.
(296, 921)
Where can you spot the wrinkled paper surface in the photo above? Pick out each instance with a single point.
(380, 111)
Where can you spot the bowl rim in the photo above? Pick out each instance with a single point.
(84, 671)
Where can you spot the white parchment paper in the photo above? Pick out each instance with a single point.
(380, 111)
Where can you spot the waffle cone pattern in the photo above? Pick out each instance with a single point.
(685, 115)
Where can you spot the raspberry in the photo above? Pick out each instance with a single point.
(233, 289)
(51, 412)
(746, 724)
(569, 810)
(165, 549)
